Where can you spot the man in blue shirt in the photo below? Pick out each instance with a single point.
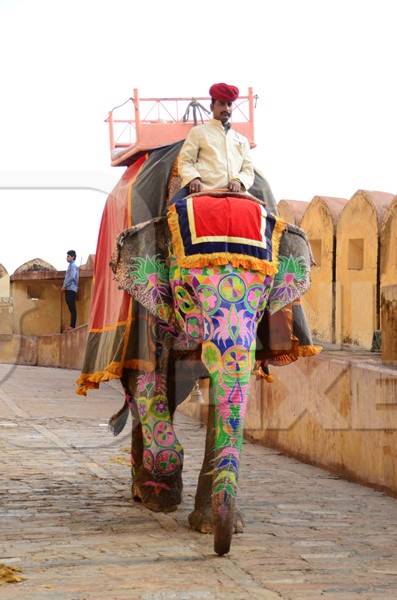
(70, 286)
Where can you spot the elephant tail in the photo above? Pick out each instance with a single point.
(119, 419)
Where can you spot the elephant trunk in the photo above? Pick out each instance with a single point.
(222, 305)
(229, 386)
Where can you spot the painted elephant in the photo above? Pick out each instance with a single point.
(204, 278)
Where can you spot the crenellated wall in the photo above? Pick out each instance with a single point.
(34, 317)
(354, 244)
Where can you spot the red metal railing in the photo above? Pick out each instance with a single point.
(144, 123)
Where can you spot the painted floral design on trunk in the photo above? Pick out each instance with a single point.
(226, 303)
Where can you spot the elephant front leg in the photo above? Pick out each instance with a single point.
(156, 454)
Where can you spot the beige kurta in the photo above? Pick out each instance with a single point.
(215, 157)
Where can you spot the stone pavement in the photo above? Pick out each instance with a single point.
(67, 521)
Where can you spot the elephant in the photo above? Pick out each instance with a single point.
(201, 299)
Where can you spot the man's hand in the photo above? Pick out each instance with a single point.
(235, 186)
(195, 186)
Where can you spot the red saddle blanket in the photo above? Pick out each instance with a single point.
(216, 230)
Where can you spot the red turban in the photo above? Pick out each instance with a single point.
(224, 92)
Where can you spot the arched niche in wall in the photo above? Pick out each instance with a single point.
(357, 267)
(319, 223)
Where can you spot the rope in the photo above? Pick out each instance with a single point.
(120, 105)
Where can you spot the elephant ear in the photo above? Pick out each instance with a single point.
(292, 279)
(140, 266)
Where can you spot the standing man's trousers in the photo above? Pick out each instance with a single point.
(70, 298)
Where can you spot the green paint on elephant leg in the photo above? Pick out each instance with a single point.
(162, 453)
(158, 491)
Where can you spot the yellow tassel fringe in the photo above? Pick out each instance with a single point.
(309, 350)
(89, 381)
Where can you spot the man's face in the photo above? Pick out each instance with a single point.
(69, 258)
(222, 111)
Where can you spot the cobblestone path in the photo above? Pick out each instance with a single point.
(67, 521)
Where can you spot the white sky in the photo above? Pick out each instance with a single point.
(325, 72)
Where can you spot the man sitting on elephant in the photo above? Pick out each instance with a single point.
(215, 156)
